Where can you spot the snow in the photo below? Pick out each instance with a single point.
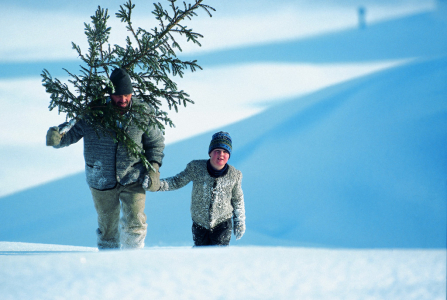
(222, 273)
(244, 23)
(340, 134)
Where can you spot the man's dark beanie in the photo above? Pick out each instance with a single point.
(121, 82)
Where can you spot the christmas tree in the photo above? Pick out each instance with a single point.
(148, 56)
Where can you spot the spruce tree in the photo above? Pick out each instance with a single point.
(148, 56)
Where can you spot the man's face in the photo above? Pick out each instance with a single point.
(121, 101)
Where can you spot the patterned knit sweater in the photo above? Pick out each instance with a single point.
(107, 162)
(213, 200)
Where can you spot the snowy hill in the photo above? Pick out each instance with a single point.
(361, 164)
(411, 36)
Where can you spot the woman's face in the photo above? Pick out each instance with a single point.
(218, 158)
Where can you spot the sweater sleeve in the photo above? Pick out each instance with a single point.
(237, 201)
(178, 181)
(72, 136)
(153, 145)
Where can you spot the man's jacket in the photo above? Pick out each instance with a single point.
(107, 162)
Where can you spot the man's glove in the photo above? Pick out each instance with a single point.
(53, 136)
(151, 181)
(146, 182)
(239, 229)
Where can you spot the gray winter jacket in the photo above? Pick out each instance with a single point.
(213, 200)
(108, 163)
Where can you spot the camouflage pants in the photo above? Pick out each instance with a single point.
(130, 231)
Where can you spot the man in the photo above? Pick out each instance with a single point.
(114, 175)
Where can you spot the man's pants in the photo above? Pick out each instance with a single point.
(133, 227)
(217, 236)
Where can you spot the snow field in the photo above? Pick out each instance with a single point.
(223, 273)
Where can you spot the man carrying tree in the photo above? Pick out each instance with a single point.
(120, 114)
(114, 175)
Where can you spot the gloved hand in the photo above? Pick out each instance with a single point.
(151, 181)
(147, 182)
(53, 136)
(239, 229)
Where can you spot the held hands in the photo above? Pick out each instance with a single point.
(53, 136)
(239, 229)
(151, 180)
(147, 182)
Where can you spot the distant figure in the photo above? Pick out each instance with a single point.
(441, 6)
(217, 200)
(361, 14)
